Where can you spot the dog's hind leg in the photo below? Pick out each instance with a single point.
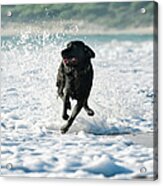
(75, 112)
(89, 111)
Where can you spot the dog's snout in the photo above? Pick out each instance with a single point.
(65, 53)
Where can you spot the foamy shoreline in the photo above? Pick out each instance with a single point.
(75, 28)
(117, 143)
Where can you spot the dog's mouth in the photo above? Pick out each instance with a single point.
(70, 61)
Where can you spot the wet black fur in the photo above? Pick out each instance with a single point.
(74, 80)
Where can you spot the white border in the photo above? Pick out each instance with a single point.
(74, 182)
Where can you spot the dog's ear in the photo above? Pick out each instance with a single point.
(89, 52)
(69, 45)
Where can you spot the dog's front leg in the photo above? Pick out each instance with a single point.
(75, 112)
(65, 116)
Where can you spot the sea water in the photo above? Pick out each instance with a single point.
(122, 97)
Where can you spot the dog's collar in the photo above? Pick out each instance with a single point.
(81, 72)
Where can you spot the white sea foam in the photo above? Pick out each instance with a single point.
(122, 97)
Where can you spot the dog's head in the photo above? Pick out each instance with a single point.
(76, 52)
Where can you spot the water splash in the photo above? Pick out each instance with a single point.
(29, 66)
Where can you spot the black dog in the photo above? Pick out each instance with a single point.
(74, 80)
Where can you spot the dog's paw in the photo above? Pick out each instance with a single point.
(65, 116)
(64, 129)
(90, 112)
